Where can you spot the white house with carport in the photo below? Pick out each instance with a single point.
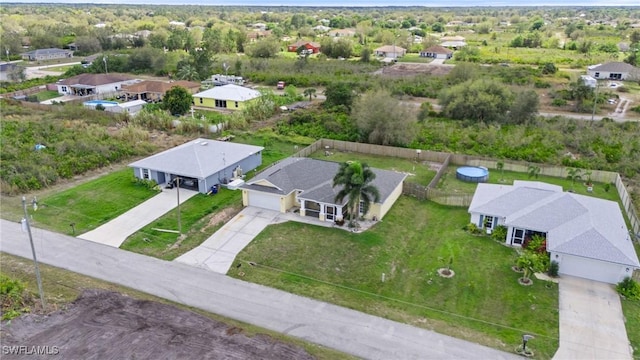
(587, 236)
(306, 185)
(200, 164)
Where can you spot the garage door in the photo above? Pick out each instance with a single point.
(590, 269)
(262, 200)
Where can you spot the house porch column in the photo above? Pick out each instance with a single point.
(302, 209)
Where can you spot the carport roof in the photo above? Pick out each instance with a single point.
(199, 158)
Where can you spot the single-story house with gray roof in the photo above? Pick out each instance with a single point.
(587, 236)
(614, 71)
(47, 54)
(306, 184)
(200, 164)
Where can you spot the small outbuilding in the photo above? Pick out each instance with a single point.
(200, 164)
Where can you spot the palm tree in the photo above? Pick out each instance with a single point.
(500, 166)
(534, 171)
(355, 179)
(310, 92)
(187, 72)
(573, 175)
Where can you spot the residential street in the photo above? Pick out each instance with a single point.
(346, 330)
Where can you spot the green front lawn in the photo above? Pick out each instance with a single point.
(198, 222)
(418, 172)
(631, 310)
(91, 204)
(482, 303)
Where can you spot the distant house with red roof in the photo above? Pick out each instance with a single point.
(314, 47)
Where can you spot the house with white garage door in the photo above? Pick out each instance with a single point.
(306, 185)
(587, 236)
(200, 164)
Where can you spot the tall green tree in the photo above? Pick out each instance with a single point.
(479, 100)
(177, 100)
(382, 119)
(524, 107)
(337, 94)
(355, 180)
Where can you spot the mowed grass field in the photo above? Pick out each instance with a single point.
(482, 303)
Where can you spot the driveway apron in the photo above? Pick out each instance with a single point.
(116, 231)
(218, 252)
(591, 321)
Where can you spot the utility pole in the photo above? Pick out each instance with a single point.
(595, 102)
(33, 251)
(178, 194)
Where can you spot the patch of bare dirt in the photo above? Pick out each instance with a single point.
(108, 325)
(221, 217)
(413, 69)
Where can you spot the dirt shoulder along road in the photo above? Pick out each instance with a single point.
(108, 325)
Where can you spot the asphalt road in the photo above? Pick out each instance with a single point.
(335, 327)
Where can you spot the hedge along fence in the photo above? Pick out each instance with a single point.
(430, 193)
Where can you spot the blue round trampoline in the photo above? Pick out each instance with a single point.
(475, 174)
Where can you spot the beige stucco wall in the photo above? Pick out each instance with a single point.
(386, 206)
(289, 201)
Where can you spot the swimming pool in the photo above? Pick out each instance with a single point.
(104, 103)
(472, 174)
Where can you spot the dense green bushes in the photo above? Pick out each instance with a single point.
(14, 298)
(73, 145)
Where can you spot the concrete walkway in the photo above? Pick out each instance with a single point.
(218, 252)
(591, 321)
(346, 330)
(116, 231)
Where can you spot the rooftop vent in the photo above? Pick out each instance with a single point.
(204, 143)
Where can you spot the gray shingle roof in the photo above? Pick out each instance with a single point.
(95, 79)
(315, 179)
(614, 67)
(193, 159)
(575, 224)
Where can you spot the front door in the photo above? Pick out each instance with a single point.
(517, 237)
(331, 213)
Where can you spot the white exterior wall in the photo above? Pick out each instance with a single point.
(591, 269)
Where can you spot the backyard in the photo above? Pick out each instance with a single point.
(482, 303)
(420, 173)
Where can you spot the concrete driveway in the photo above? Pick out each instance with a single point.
(591, 321)
(218, 252)
(116, 231)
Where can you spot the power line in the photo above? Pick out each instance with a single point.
(398, 300)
